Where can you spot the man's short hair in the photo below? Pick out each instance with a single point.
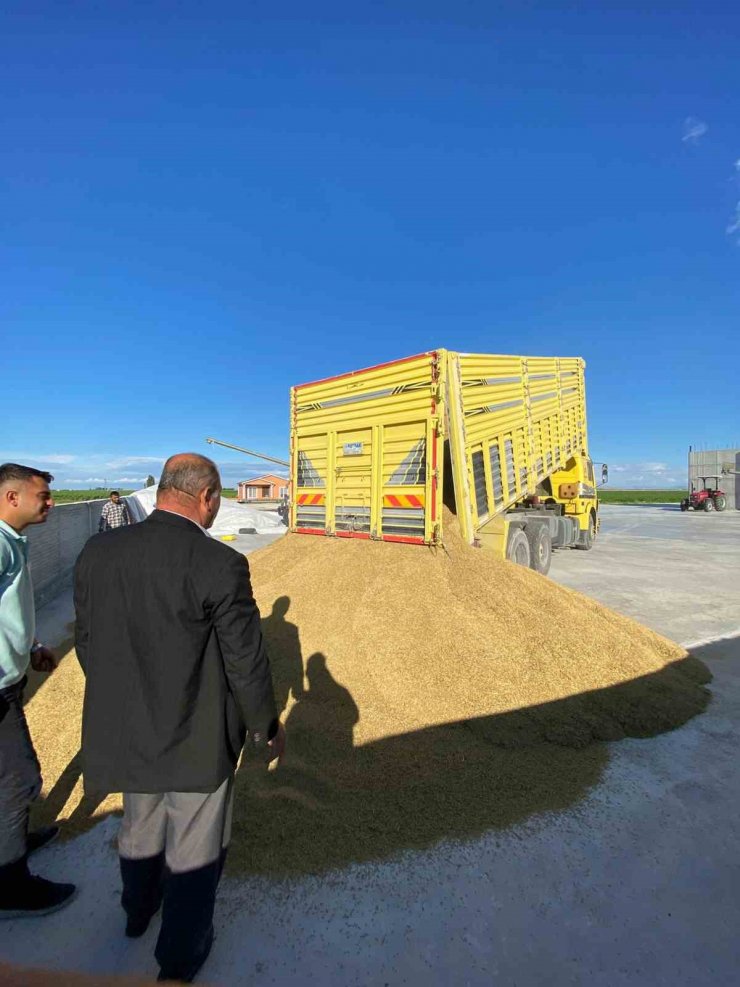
(114, 493)
(190, 473)
(13, 471)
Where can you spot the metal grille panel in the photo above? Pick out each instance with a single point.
(403, 522)
(311, 517)
(307, 475)
(495, 461)
(479, 480)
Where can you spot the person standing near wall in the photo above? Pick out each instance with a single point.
(115, 513)
(168, 635)
(25, 499)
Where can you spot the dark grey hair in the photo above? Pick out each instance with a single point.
(12, 471)
(190, 473)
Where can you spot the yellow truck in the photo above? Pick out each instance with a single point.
(502, 440)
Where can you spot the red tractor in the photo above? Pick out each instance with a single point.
(705, 497)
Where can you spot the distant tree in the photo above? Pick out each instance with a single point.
(150, 481)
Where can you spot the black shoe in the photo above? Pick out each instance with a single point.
(192, 973)
(137, 926)
(35, 896)
(40, 838)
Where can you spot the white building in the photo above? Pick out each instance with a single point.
(724, 463)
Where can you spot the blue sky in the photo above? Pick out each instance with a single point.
(205, 203)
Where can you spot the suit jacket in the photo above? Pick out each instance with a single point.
(169, 637)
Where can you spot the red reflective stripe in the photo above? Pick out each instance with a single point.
(414, 501)
(405, 541)
(393, 501)
(354, 373)
(317, 499)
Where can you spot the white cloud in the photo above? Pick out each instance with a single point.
(33, 457)
(109, 469)
(734, 224)
(693, 130)
(123, 461)
(647, 476)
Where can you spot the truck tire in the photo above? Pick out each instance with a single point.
(589, 536)
(708, 504)
(518, 548)
(684, 505)
(720, 503)
(540, 547)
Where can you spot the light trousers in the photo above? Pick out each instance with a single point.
(172, 848)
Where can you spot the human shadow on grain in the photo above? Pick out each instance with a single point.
(286, 659)
(49, 809)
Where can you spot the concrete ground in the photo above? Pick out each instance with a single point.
(638, 884)
(677, 572)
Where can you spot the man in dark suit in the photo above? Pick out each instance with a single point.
(168, 635)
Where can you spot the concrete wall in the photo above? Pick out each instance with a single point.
(714, 461)
(55, 545)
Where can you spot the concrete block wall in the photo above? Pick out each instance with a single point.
(706, 462)
(55, 545)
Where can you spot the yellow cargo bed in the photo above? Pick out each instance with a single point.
(369, 448)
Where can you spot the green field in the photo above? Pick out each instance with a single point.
(73, 496)
(641, 496)
(605, 496)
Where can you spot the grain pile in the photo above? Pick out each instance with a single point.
(427, 695)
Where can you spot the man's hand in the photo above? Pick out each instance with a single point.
(276, 748)
(44, 660)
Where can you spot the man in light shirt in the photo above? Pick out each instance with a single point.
(25, 499)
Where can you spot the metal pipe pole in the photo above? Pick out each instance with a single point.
(249, 452)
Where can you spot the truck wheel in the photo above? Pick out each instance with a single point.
(708, 504)
(720, 503)
(518, 550)
(588, 536)
(684, 505)
(540, 547)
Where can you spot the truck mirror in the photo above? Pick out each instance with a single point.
(604, 473)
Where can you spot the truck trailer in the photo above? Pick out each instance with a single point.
(501, 440)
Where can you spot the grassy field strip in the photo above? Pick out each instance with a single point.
(641, 496)
(74, 496)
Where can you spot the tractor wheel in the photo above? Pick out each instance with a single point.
(589, 536)
(708, 505)
(720, 503)
(540, 547)
(684, 505)
(518, 550)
